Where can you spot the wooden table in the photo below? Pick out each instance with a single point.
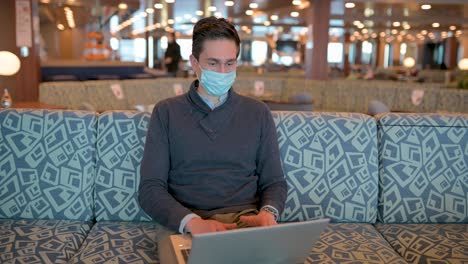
(36, 105)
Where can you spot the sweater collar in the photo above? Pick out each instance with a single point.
(198, 102)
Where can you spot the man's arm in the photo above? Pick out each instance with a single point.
(154, 197)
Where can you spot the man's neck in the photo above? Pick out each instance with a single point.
(202, 91)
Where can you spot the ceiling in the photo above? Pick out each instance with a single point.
(377, 16)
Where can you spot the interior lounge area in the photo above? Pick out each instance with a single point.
(369, 100)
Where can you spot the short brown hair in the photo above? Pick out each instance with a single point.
(212, 28)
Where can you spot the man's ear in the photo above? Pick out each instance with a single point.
(193, 61)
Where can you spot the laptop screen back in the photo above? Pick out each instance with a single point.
(283, 243)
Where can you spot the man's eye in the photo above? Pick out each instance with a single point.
(212, 63)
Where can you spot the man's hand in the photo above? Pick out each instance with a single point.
(200, 226)
(263, 218)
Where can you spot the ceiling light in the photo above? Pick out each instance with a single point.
(424, 32)
(249, 12)
(60, 26)
(229, 3)
(123, 6)
(212, 8)
(426, 7)
(170, 1)
(149, 10)
(294, 14)
(253, 5)
(406, 26)
(350, 5)
(158, 6)
(382, 34)
(170, 21)
(274, 17)
(218, 14)
(267, 23)
(296, 2)
(199, 13)
(396, 24)
(435, 25)
(194, 20)
(394, 31)
(452, 27)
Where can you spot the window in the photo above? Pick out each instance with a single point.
(335, 52)
(133, 49)
(259, 52)
(366, 52)
(185, 48)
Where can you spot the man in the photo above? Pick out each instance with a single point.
(211, 160)
(172, 55)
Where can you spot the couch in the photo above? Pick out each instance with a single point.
(395, 186)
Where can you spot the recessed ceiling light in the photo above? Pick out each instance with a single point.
(170, 21)
(123, 6)
(212, 8)
(274, 17)
(170, 1)
(296, 2)
(158, 6)
(350, 5)
(253, 5)
(149, 10)
(435, 25)
(267, 23)
(426, 7)
(199, 13)
(60, 26)
(396, 24)
(424, 32)
(452, 27)
(218, 14)
(294, 14)
(249, 12)
(229, 3)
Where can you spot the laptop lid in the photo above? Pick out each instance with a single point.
(283, 243)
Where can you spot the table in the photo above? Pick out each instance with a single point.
(36, 105)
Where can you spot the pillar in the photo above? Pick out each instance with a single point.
(24, 85)
(396, 53)
(450, 56)
(318, 21)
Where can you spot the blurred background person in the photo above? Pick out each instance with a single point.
(172, 55)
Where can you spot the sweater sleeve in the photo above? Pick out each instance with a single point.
(154, 197)
(272, 185)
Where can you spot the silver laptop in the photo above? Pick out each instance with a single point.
(285, 243)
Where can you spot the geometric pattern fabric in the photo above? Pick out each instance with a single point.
(120, 143)
(423, 168)
(330, 165)
(121, 242)
(40, 241)
(352, 243)
(47, 164)
(428, 243)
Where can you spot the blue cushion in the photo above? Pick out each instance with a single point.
(424, 170)
(353, 243)
(121, 242)
(330, 164)
(428, 243)
(120, 144)
(47, 164)
(40, 241)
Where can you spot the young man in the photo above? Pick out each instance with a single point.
(211, 160)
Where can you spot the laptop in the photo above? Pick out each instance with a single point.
(285, 243)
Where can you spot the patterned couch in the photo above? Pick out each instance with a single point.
(394, 186)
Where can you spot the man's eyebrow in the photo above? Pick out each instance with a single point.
(218, 60)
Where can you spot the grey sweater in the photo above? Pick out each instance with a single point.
(203, 161)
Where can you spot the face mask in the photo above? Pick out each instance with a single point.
(217, 83)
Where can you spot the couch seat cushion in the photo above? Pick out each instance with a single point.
(352, 243)
(428, 243)
(121, 242)
(40, 241)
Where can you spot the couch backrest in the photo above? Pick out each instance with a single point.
(423, 168)
(47, 164)
(330, 164)
(120, 144)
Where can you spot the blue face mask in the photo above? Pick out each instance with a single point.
(217, 83)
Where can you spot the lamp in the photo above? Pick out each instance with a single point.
(9, 65)
(463, 64)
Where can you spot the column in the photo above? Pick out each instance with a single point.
(380, 52)
(450, 56)
(24, 85)
(316, 56)
(347, 44)
(396, 53)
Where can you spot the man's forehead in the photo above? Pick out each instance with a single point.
(219, 49)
